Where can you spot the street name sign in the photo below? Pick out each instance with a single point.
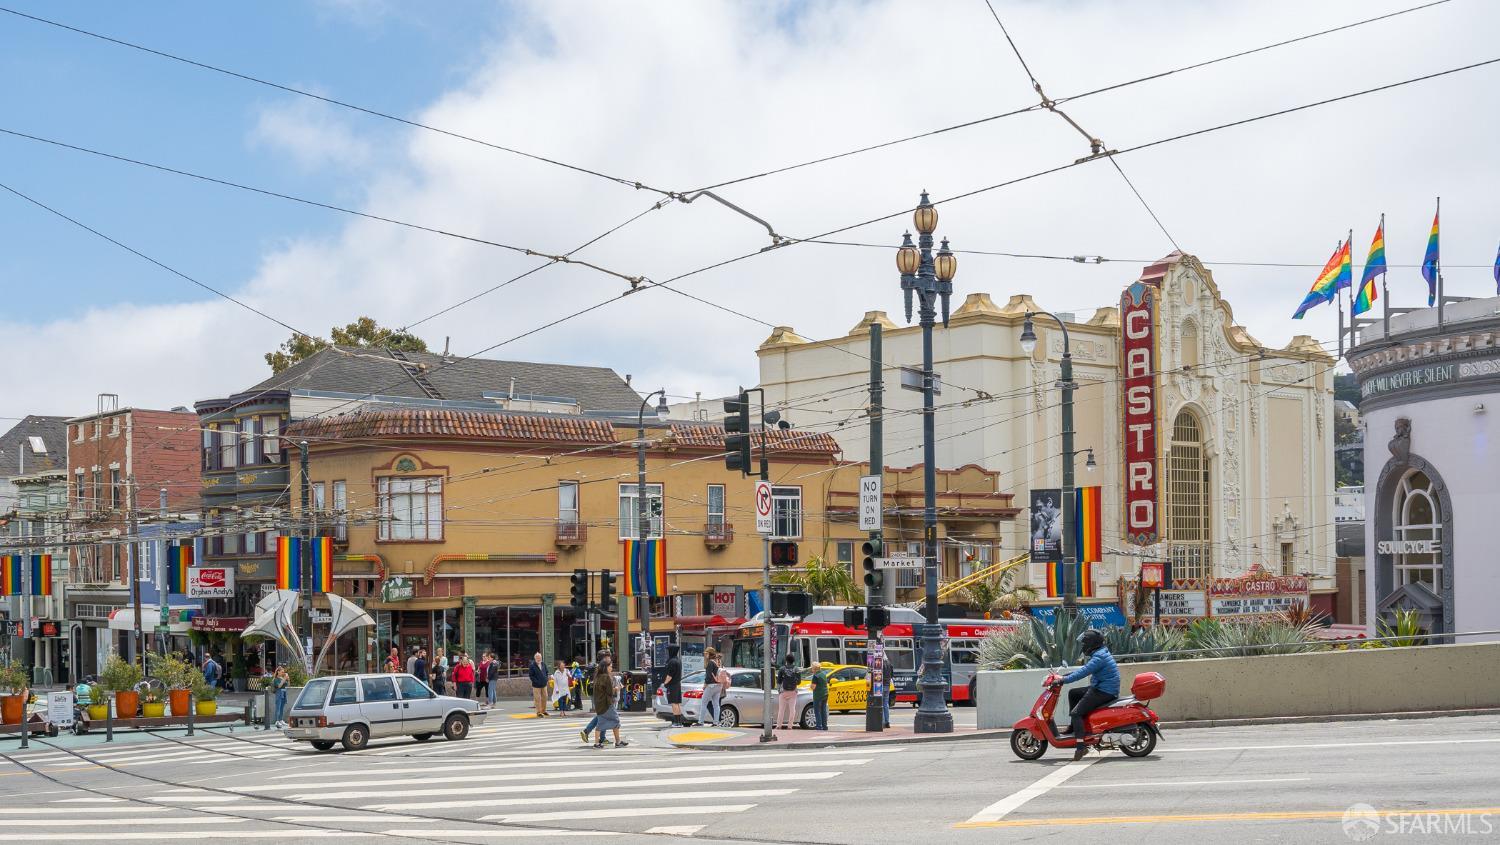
(899, 562)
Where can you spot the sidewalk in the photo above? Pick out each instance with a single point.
(712, 738)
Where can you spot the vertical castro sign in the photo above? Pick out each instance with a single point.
(1142, 467)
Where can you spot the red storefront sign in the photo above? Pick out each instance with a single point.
(1142, 468)
(220, 623)
(1153, 574)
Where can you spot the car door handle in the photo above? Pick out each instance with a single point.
(395, 706)
(405, 705)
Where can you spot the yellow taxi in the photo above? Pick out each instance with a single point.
(848, 686)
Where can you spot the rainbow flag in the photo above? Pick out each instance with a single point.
(1088, 528)
(288, 563)
(41, 575)
(1430, 261)
(322, 564)
(179, 558)
(10, 575)
(1497, 272)
(1056, 587)
(1374, 266)
(646, 568)
(1337, 274)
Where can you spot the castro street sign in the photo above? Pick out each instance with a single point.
(1142, 470)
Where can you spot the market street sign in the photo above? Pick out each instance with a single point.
(1138, 342)
(869, 502)
(898, 562)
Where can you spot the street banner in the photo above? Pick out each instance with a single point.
(288, 563)
(41, 575)
(322, 564)
(1046, 525)
(179, 559)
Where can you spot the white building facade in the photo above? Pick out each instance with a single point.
(1243, 452)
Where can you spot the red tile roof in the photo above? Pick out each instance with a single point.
(429, 422)
(789, 440)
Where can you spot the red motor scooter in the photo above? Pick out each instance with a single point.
(1125, 723)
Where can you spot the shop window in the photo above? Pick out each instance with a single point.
(1418, 518)
(1188, 537)
(786, 511)
(411, 508)
(629, 525)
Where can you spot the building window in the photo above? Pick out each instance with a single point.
(248, 445)
(909, 578)
(229, 445)
(98, 492)
(319, 503)
(98, 428)
(567, 503)
(231, 544)
(252, 543)
(208, 447)
(786, 511)
(270, 442)
(114, 426)
(844, 551)
(1288, 559)
(1418, 517)
(972, 559)
(629, 526)
(340, 511)
(80, 493)
(1188, 536)
(411, 508)
(716, 506)
(78, 433)
(114, 488)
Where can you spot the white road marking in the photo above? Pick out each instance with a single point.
(369, 818)
(133, 821)
(88, 800)
(620, 813)
(535, 801)
(998, 810)
(116, 835)
(1177, 783)
(676, 829)
(70, 809)
(1209, 749)
(425, 833)
(587, 786)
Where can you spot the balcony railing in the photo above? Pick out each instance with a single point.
(571, 534)
(717, 535)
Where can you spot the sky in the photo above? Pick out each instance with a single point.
(679, 97)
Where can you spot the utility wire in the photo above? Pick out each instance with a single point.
(335, 102)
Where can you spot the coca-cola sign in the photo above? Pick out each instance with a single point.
(210, 582)
(1142, 468)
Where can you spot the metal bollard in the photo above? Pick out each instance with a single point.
(192, 709)
(265, 716)
(109, 723)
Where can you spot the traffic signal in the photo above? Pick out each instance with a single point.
(737, 433)
(606, 591)
(578, 590)
(878, 618)
(869, 551)
(783, 553)
(790, 603)
(854, 617)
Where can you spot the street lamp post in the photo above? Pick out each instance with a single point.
(931, 279)
(642, 517)
(1069, 497)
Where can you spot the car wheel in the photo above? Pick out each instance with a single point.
(809, 718)
(973, 691)
(356, 737)
(456, 726)
(421, 737)
(322, 744)
(729, 717)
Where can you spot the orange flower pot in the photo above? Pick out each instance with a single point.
(181, 700)
(127, 704)
(12, 708)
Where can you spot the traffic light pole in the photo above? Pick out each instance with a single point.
(767, 672)
(874, 708)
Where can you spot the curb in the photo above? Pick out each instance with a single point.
(956, 736)
(1340, 717)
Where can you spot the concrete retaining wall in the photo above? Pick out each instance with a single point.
(1377, 680)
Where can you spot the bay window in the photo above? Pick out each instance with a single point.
(629, 524)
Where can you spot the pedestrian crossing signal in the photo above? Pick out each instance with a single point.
(783, 554)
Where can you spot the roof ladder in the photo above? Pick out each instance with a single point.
(418, 374)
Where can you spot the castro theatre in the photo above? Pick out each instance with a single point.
(1213, 451)
(1430, 404)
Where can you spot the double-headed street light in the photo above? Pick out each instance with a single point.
(930, 277)
(1069, 494)
(642, 515)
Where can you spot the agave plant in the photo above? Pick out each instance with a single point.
(1407, 632)
(1006, 648)
(1258, 638)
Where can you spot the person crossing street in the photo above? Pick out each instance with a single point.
(536, 672)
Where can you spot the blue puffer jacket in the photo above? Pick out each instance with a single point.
(1101, 666)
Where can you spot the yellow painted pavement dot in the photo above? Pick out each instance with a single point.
(523, 715)
(699, 736)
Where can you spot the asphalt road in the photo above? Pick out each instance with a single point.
(533, 781)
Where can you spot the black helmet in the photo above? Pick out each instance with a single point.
(1091, 641)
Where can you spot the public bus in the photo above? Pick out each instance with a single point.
(823, 638)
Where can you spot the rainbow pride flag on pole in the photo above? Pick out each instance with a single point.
(322, 564)
(1430, 262)
(646, 568)
(1337, 274)
(1088, 544)
(41, 575)
(10, 575)
(1374, 266)
(288, 563)
(179, 558)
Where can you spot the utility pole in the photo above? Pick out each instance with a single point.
(306, 556)
(766, 640)
(874, 710)
(134, 548)
(163, 585)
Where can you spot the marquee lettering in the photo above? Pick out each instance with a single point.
(1138, 339)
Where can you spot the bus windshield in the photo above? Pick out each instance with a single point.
(746, 653)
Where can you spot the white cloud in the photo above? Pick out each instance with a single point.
(316, 135)
(689, 94)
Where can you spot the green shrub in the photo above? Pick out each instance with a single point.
(119, 675)
(1407, 632)
(13, 677)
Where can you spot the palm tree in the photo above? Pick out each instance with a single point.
(827, 583)
(998, 593)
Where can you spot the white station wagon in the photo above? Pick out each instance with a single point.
(354, 709)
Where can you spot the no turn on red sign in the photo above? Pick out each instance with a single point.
(764, 524)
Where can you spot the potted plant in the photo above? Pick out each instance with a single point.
(120, 677)
(13, 703)
(206, 695)
(153, 703)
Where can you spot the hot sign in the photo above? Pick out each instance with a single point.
(1142, 471)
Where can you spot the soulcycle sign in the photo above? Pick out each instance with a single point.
(1138, 339)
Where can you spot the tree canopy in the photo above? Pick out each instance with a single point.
(363, 332)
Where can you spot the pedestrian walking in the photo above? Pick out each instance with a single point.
(787, 681)
(537, 673)
(211, 670)
(673, 683)
(820, 698)
(712, 689)
(393, 660)
(411, 662)
(562, 686)
(888, 674)
(492, 678)
(575, 675)
(601, 666)
(419, 666)
(463, 675)
(280, 681)
(608, 718)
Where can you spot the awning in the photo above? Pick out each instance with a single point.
(179, 619)
(698, 623)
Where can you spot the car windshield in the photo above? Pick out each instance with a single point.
(693, 678)
(313, 694)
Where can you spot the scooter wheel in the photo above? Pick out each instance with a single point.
(1138, 740)
(1026, 745)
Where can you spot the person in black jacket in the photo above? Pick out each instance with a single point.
(537, 673)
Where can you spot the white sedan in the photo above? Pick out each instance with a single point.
(743, 703)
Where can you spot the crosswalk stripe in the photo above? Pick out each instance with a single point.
(129, 821)
(620, 813)
(71, 809)
(531, 788)
(746, 758)
(117, 835)
(494, 834)
(538, 801)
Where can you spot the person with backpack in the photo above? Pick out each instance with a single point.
(787, 681)
(212, 672)
(712, 685)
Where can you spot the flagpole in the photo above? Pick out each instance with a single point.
(1352, 324)
(1384, 291)
(1438, 265)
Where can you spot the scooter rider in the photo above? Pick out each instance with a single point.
(1104, 686)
